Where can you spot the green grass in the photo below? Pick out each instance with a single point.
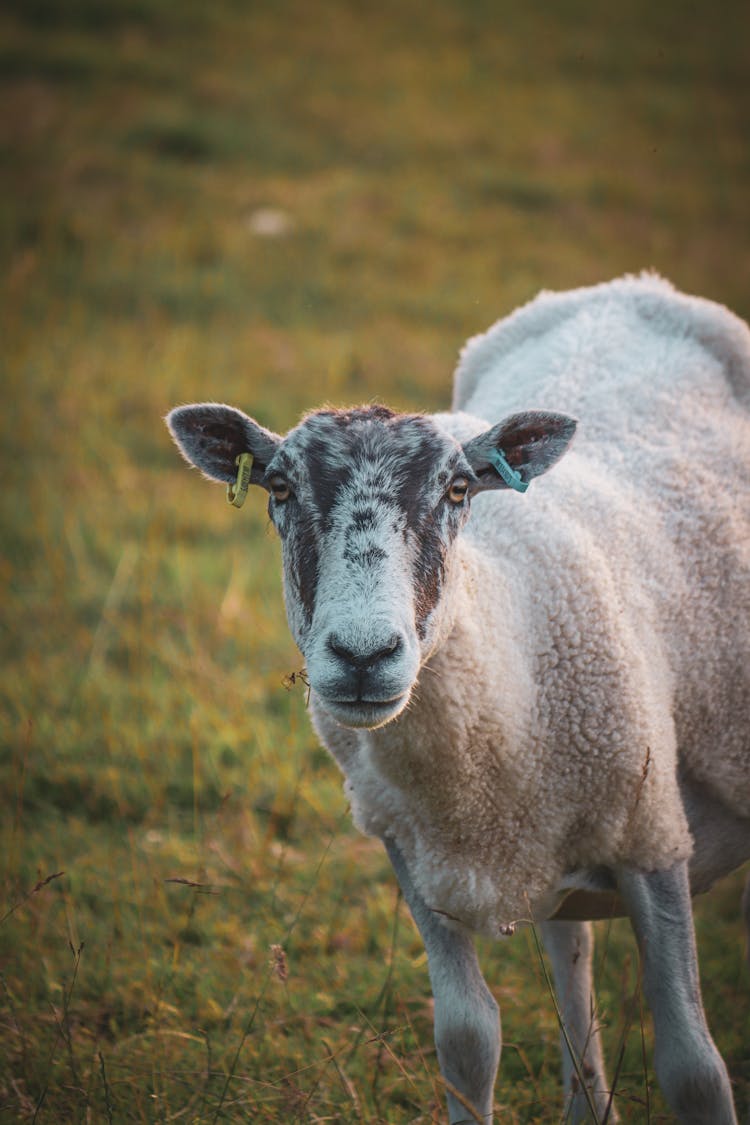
(167, 817)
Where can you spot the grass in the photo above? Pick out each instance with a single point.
(192, 930)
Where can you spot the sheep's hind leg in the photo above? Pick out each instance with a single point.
(467, 1022)
(570, 946)
(690, 1070)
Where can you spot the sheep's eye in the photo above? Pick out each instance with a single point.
(458, 489)
(280, 490)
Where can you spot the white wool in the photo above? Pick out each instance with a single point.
(601, 622)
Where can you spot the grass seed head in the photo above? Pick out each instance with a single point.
(278, 963)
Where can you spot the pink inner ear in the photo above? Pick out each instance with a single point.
(514, 455)
(528, 436)
(523, 442)
(516, 450)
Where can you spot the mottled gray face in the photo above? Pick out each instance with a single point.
(366, 504)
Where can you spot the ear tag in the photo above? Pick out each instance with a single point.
(237, 492)
(509, 475)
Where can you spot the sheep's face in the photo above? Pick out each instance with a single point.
(367, 504)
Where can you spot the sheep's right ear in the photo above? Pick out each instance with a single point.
(519, 448)
(211, 436)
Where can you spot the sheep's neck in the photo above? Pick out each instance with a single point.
(475, 695)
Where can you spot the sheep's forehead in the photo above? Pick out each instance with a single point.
(368, 483)
(370, 454)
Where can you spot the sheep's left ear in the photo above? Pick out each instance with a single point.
(528, 443)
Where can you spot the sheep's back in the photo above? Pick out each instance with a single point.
(616, 355)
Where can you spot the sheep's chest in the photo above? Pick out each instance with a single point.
(465, 813)
(491, 817)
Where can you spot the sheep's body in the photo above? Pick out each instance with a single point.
(602, 622)
(659, 482)
(544, 702)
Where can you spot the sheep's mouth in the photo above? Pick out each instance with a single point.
(365, 713)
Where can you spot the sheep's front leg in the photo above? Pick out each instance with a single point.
(467, 1022)
(690, 1070)
(570, 946)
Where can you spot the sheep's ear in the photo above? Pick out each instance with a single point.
(211, 436)
(519, 448)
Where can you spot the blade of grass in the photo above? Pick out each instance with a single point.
(61, 1033)
(269, 969)
(346, 1082)
(29, 894)
(573, 1054)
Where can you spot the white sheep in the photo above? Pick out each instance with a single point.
(540, 706)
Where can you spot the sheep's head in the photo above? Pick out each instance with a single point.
(367, 504)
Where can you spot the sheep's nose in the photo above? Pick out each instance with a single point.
(362, 660)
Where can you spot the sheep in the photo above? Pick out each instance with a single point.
(539, 700)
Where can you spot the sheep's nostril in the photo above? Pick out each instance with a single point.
(364, 658)
(338, 648)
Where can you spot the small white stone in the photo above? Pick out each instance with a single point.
(270, 222)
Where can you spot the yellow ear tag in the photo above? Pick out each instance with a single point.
(237, 492)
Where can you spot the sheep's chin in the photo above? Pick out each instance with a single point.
(364, 714)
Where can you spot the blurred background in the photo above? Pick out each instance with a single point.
(276, 205)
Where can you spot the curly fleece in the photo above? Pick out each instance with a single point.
(601, 638)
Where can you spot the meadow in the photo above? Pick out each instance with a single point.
(275, 205)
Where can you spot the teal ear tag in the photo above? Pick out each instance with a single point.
(509, 475)
(237, 490)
